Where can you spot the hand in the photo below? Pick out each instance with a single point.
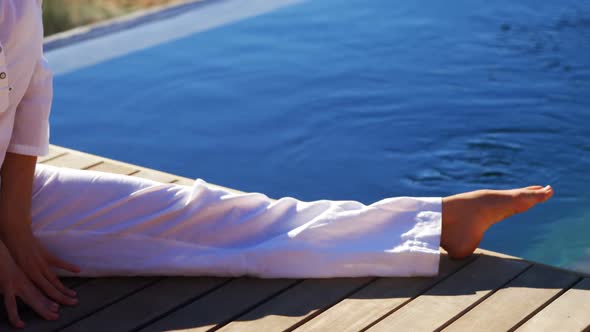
(13, 283)
(32, 279)
(36, 262)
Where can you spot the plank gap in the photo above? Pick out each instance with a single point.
(548, 302)
(119, 299)
(323, 309)
(146, 304)
(453, 295)
(480, 300)
(74, 282)
(93, 165)
(50, 158)
(569, 312)
(252, 307)
(181, 305)
(290, 307)
(475, 257)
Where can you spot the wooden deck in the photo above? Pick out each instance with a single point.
(488, 292)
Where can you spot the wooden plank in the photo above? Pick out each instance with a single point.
(378, 299)
(74, 160)
(79, 155)
(233, 191)
(73, 282)
(297, 304)
(220, 306)
(496, 254)
(453, 296)
(93, 296)
(184, 181)
(118, 168)
(516, 301)
(569, 312)
(54, 151)
(155, 175)
(146, 305)
(27, 314)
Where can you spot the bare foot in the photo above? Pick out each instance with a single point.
(466, 217)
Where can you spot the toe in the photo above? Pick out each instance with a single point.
(538, 195)
(547, 191)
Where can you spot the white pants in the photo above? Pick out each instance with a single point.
(120, 225)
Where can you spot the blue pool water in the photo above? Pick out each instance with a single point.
(362, 100)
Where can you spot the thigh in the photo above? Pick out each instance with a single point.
(66, 198)
(108, 224)
(112, 224)
(87, 215)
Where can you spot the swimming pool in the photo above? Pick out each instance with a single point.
(351, 100)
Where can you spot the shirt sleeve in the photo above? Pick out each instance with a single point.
(30, 135)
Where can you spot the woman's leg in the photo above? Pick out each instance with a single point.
(118, 225)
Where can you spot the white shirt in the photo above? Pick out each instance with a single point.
(25, 80)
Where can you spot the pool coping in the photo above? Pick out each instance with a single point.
(127, 21)
(93, 44)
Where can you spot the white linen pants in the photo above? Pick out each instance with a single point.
(120, 225)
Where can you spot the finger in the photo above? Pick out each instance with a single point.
(12, 310)
(51, 260)
(40, 303)
(49, 275)
(51, 291)
(61, 264)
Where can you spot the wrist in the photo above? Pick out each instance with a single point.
(14, 224)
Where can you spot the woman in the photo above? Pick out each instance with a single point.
(63, 221)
